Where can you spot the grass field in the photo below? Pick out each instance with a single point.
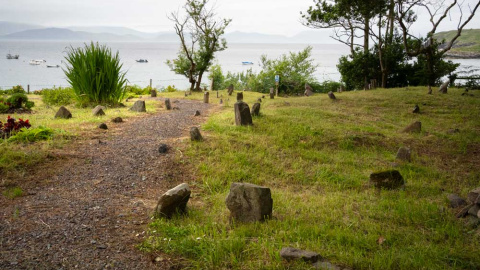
(316, 155)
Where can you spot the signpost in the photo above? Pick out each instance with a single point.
(277, 80)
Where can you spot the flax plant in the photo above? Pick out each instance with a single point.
(95, 75)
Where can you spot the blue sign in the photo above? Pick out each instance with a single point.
(277, 78)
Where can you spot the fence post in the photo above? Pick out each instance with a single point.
(28, 89)
(150, 83)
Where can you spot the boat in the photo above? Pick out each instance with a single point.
(37, 62)
(10, 56)
(142, 61)
(247, 63)
(53, 66)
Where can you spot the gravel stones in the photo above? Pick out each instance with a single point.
(173, 201)
(249, 202)
(139, 106)
(195, 134)
(415, 127)
(63, 113)
(242, 114)
(387, 179)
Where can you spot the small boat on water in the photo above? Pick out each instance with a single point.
(11, 56)
(142, 61)
(53, 66)
(37, 62)
(247, 63)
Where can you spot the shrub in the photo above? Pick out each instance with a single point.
(4, 106)
(95, 74)
(12, 126)
(32, 135)
(13, 192)
(138, 91)
(58, 96)
(18, 101)
(170, 89)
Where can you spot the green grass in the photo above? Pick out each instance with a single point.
(316, 155)
(13, 192)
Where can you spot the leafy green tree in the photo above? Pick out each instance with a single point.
(217, 77)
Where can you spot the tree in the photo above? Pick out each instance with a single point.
(428, 48)
(198, 51)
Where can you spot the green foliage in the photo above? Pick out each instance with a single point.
(95, 74)
(13, 192)
(14, 90)
(217, 77)
(170, 89)
(137, 90)
(4, 107)
(18, 101)
(25, 135)
(58, 96)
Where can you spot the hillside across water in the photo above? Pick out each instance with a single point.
(466, 46)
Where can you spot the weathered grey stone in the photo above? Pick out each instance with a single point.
(163, 148)
(117, 120)
(473, 196)
(63, 113)
(326, 265)
(206, 97)
(168, 105)
(221, 101)
(212, 86)
(331, 95)
(259, 100)
(387, 179)
(415, 127)
(474, 210)
(404, 154)
(230, 89)
(139, 106)
(98, 110)
(455, 201)
(239, 96)
(453, 131)
(430, 90)
(256, 109)
(197, 113)
(242, 114)
(443, 88)
(472, 222)
(153, 93)
(416, 109)
(103, 126)
(173, 201)
(308, 90)
(292, 254)
(272, 93)
(195, 134)
(249, 203)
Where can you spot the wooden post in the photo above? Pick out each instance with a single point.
(150, 83)
(205, 97)
(28, 89)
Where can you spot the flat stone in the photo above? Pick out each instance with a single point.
(456, 201)
(63, 113)
(173, 201)
(326, 265)
(474, 210)
(292, 254)
(103, 126)
(255, 109)
(243, 116)
(387, 179)
(98, 110)
(415, 127)
(195, 134)
(473, 195)
(249, 202)
(139, 106)
(404, 154)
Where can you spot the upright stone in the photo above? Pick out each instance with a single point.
(195, 134)
(239, 96)
(308, 90)
(168, 105)
(415, 127)
(197, 113)
(221, 101)
(387, 179)
(404, 154)
(63, 113)
(98, 111)
(256, 109)
(242, 114)
(139, 106)
(212, 86)
(473, 195)
(153, 93)
(206, 96)
(416, 109)
(249, 203)
(444, 87)
(331, 95)
(173, 201)
(103, 126)
(341, 89)
(217, 94)
(429, 90)
(272, 93)
(230, 89)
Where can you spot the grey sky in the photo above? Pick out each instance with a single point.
(263, 16)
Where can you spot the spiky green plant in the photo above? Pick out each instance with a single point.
(95, 74)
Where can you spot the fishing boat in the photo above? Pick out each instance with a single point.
(11, 56)
(37, 62)
(247, 63)
(53, 66)
(142, 61)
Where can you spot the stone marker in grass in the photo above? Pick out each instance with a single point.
(230, 89)
(103, 126)
(206, 96)
(292, 254)
(404, 154)
(242, 114)
(387, 179)
(63, 113)
(168, 105)
(308, 90)
(98, 111)
(195, 134)
(239, 96)
(416, 109)
(272, 93)
(139, 106)
(256, 109)
(415, 127)
(249, 202)
(173, 201)
(444, 87)
(153, 93)
(331, 95)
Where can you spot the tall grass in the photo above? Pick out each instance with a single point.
(95, 74)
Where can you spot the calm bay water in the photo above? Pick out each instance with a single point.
(14, 72)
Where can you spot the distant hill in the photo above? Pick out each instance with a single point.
(11, 27)
(66, 34)
(466, 46)
(121, 31)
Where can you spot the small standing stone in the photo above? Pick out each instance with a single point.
(259, 100)
(206, 96)
(197, 113)
(404, 154)
(415, 127)
(473, 195)
(291, 254)
(168, 105)
(444, 87)
(242, 114)
(331, 95)
(153, 93)
(117, 120)
(239, 96)
(230, 89)
(416, 109)
(103, 126)
(456, 201)
(221, 101)
(387, 179)
(163, 148)
(98, 111)
(249, 203)
(256, 109)
(195, 134)
(173, 201)
(308, 90)
(63, 113)
(272, 93)
(139, 106)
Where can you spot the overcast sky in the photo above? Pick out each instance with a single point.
(263, 16)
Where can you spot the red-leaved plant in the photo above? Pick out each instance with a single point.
(12, 126)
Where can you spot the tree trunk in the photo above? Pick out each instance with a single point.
(366, 38)
(199, 81)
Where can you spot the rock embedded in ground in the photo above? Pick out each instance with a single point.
(249, 202)
(239, 96)
(293, 254)
(103, 126)
(473, 196)
(391, 179)
(404, 154)
(308, 90)
(474, 210)
(416, 109)
(221, 101)
(153, 93)
(163, 148)
(272, 93)
(255, 109)
(415, 127)
(453, 131)
(139, 106)
(206, 97)
(195, 134)
(63, 113)
(98, 110)
(331, 95)
(259, 100)
(444, 87)
(456, 201)
(168, 105)
(173, 201)
(326, 265)
(230, 89)
(197, 113)
(472, 222)
(117, 120)
(243, 116)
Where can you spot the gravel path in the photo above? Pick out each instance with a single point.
(94, 209)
